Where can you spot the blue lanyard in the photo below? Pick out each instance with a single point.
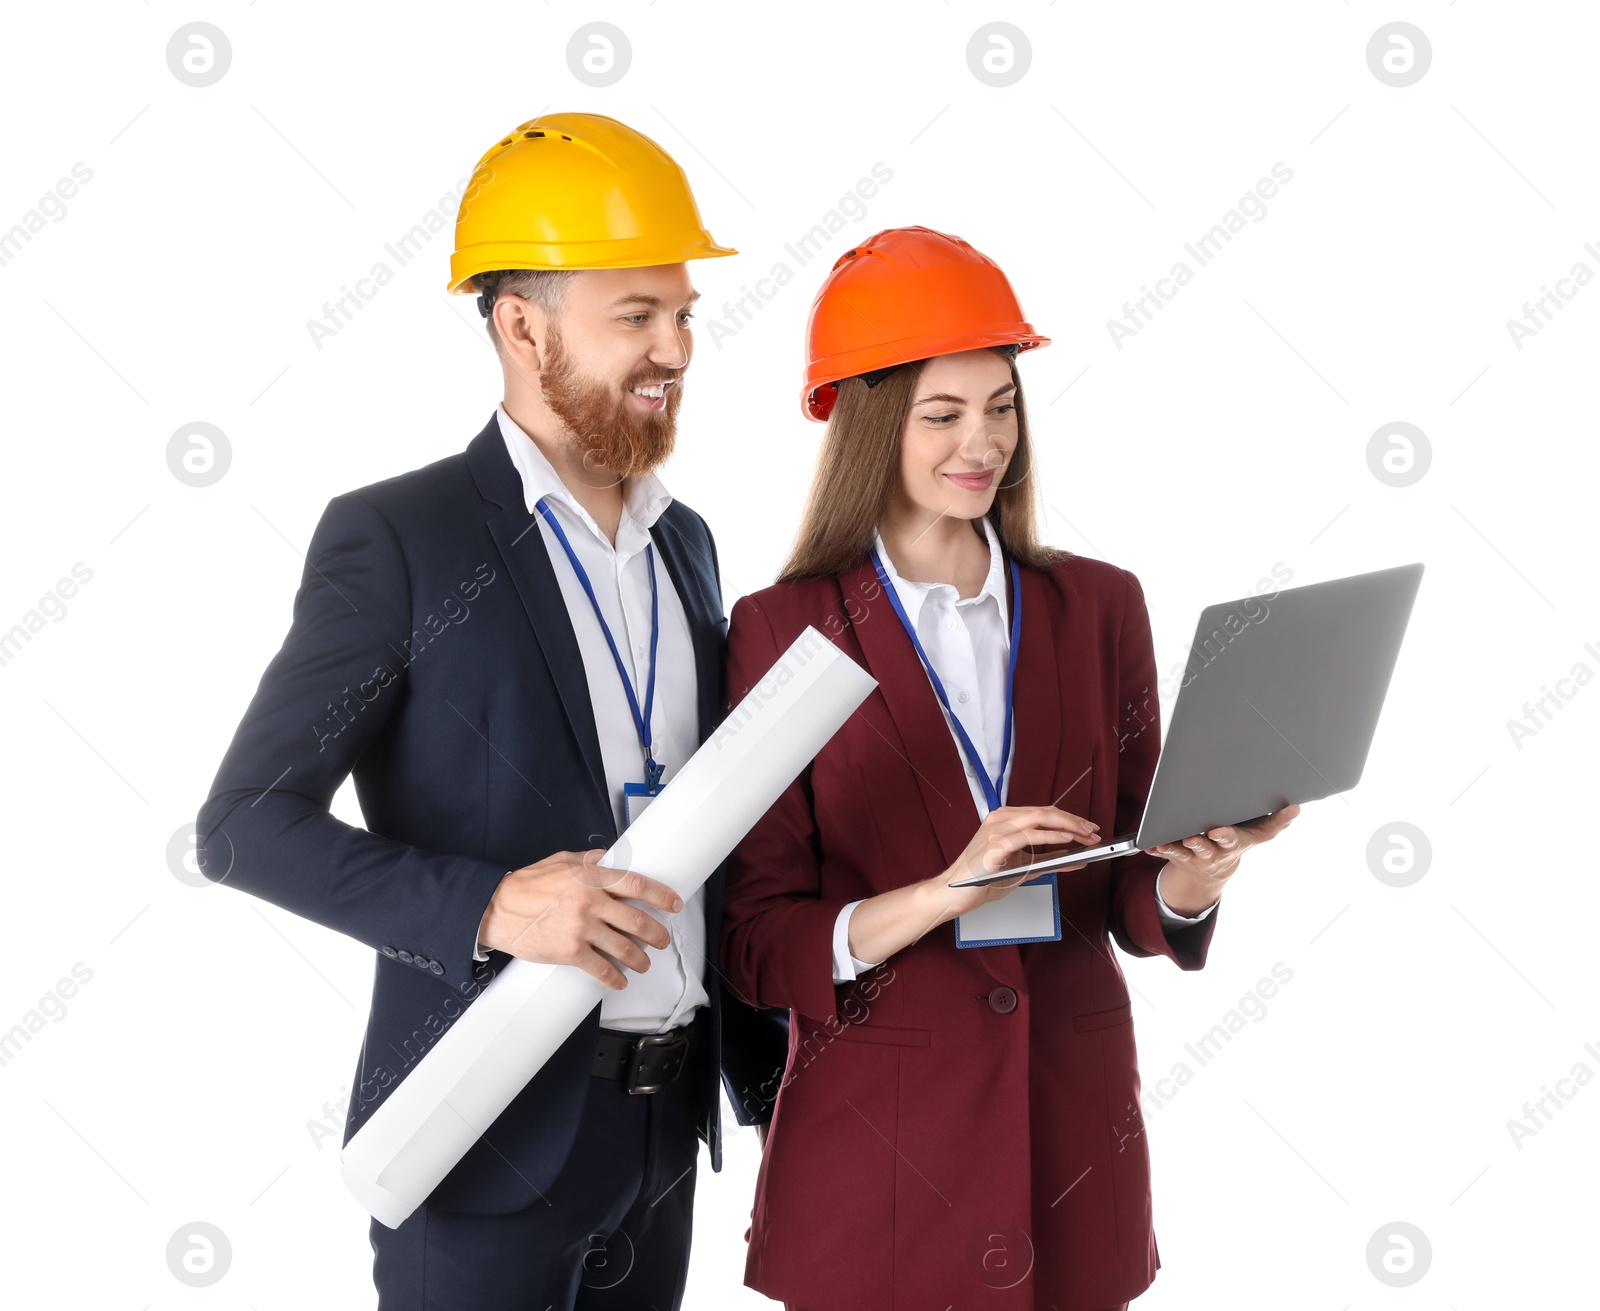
(991, 788)
(641, 722)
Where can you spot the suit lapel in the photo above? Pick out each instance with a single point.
(521, 544)
(694, 579)
(516, 533)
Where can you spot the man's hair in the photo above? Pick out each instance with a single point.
(544, 287)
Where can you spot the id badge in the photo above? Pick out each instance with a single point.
(635, 797)
(1031, 913)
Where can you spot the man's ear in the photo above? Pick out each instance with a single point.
(522, 325)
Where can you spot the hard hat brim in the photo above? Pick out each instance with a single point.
(827, 372)
(629, 253)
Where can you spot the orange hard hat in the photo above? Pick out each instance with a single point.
(906, 294)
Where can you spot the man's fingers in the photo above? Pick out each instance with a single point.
(592, 962)
(637, 887)
(632, 920)
(592, 875)
(629, 885)
(621, 948)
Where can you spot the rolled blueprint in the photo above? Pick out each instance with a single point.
(503, 1039)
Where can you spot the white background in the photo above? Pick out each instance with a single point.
(1228, 435)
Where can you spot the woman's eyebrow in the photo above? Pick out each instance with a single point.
(948, 399)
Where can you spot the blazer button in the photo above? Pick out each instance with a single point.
(388, 951)
(1003, 1000)
(420, 961)
(436, 967)
(405, 956)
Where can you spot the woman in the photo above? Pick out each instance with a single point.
(958, 1123)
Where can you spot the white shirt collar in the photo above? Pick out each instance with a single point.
(644, 496)
(912, 594)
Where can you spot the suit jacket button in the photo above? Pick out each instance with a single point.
(436, 967)
(405, 956)
(420, 961)
(1003, 1000)
(388, 951)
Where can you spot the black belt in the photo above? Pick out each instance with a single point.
(645, 1062)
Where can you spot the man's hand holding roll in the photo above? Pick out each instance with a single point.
(569, 910)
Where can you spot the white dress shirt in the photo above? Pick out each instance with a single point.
(666, 994)
(968, 642)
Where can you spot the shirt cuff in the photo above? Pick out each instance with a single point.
(845, 966)
(478, 952)
(1170, 916)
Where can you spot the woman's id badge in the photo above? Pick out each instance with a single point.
(1031, 913)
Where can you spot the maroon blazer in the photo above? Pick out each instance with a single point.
(959, 1126)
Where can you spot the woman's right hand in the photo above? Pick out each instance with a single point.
(891, 921)
(1004, 838)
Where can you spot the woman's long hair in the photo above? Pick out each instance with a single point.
(858, 469)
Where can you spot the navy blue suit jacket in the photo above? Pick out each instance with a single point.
(432, 656)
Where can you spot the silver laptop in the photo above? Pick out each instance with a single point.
(1279, 703)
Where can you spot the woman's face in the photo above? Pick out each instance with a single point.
(960, 434)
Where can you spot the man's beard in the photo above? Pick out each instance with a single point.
(608, 432)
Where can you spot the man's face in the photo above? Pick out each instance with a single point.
(612, 363)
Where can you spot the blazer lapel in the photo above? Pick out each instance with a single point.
(694, 578)
(516, 533)
(924, 739)
(1036, 732)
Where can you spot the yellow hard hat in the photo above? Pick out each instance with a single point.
(576, 191)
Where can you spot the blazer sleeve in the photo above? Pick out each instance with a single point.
(265, 829)
(1135, 917)
(777, 928)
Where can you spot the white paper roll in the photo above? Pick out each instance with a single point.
(503, 1039)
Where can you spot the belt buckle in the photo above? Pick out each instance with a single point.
(665, 1040)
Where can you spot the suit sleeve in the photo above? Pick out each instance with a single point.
(265, 829)
(777, 928)
(1136, 920)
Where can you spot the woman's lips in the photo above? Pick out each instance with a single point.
(972, 482)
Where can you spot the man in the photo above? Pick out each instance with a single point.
(513, 649)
